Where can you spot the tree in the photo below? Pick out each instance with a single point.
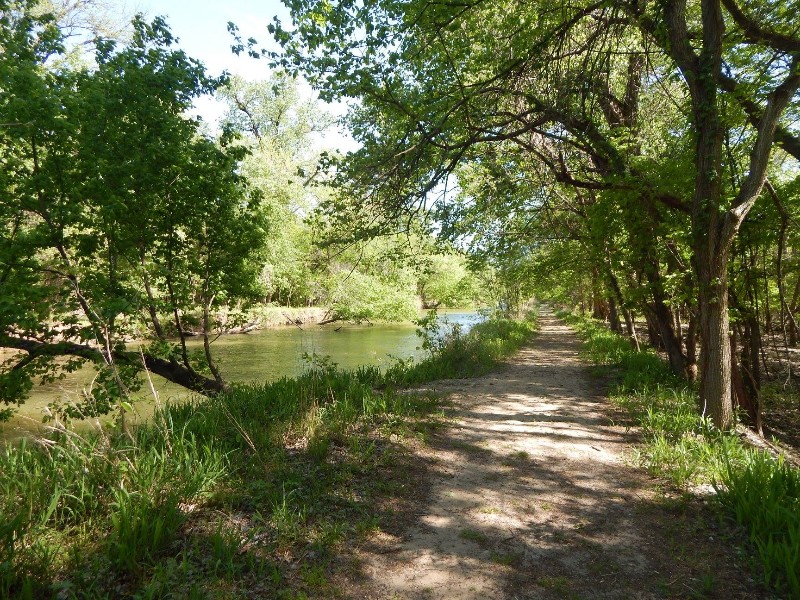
(442, 86)
(118, 217)
(446, 282)
(278, 128)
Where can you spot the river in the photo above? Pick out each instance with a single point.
(264, 355)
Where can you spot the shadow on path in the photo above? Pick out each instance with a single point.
(532, 498)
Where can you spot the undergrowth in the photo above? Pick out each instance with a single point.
(762, 493)
(246, 493)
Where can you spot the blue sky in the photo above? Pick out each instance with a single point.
(202, 28)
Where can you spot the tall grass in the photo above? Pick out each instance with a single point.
(760, 492)
(108, 511)
(453, 354)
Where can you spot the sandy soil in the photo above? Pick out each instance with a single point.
(531, 495)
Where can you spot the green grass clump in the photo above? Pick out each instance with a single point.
(764, 495)
(761, 493)
(114, 486)
(207, 496)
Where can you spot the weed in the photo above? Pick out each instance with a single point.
(473, 536)
(490, 510)
(506, 559)
(557, 584)
(764, 495)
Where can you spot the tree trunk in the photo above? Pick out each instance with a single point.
(738, 391)
(613, 316)
(691, 347)
(170, 370)
(599, 310)
(751, 375)
(207, 349)
(630, 327)
(715, 353)
(626, 313)
(661, 319)
(793, 334)
(664, 319)
(653, 331)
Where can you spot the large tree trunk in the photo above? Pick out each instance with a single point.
(715, 351)
(714, 227)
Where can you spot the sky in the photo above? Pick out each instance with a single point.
(202, 29)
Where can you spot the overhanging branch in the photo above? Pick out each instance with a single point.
(169, 370)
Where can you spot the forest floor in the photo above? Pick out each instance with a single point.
(530, 493)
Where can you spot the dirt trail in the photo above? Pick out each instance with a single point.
(531, 497)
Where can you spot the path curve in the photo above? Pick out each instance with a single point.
(532, 497)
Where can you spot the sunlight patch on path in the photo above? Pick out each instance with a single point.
(531, 496)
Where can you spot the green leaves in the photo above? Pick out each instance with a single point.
(115, 206)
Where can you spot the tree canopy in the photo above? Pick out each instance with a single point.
(642, 133)
(117, 212)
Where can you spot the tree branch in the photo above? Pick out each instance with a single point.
(788, 141)
(170, 371)
(755, 33)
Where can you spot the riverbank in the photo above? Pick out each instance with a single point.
(269, 316)
(259, 356)
(250, 492)
(278, 316)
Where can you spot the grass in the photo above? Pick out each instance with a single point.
(247, 493)
(760, 492)
(473, 535)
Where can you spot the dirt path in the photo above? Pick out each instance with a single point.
(531, 497)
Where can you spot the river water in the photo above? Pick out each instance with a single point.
(259, 356)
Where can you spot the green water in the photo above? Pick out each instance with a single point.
(259, 356)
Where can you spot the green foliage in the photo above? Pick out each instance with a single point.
(117, 208)
(355, 296)
(446, 282)
(760, 492)
(764, 495)
(129, 488)
(277, 128)
(310, 257)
